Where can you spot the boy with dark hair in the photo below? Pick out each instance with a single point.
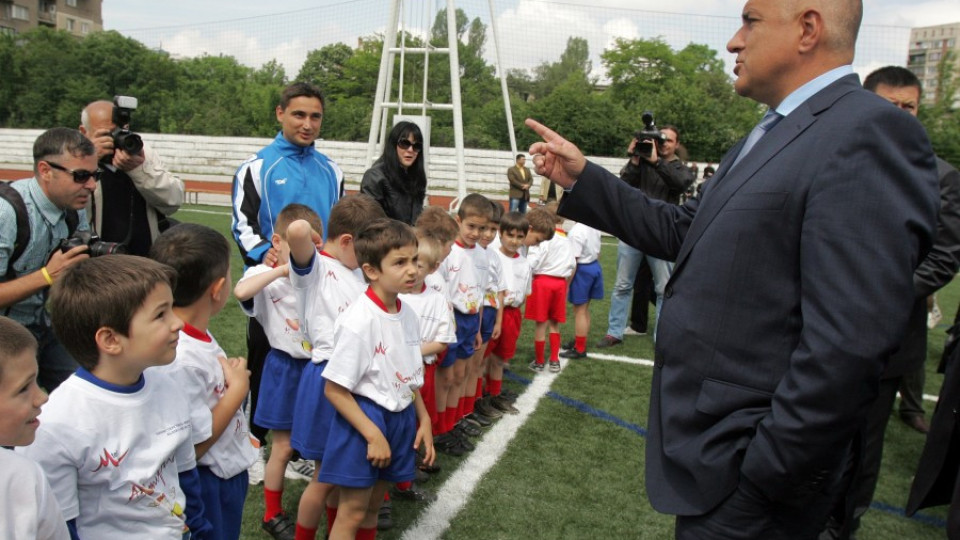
(325, 284)
(465, 273)
(115, 442)
(552, 264)
(214, 385)
(587, 284)
(490, 323)
(373, 378)
(28, 507)
(266, 293)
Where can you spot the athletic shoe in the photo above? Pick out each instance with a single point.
(568, 345)
(280, 527)
(384, 516)
(504, 405)
(255, 472)
(468, 428)
(483, 407)
(608, 341)
(573, 353)
(446, 443)
(300, 469)
(629, 331)
(535, 367)
(478, 420)
(509, 395)
(415, 493)
(554, 367)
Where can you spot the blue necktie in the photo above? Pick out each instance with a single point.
(766, 124)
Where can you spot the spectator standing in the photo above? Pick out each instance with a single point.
(397, 180)
(520, 179)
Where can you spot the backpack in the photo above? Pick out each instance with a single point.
(20, 243)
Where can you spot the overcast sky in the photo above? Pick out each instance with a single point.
(532, 31)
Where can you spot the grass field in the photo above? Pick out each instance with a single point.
(573, 467)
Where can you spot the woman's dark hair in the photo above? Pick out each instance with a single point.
(413, 180)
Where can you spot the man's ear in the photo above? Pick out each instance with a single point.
(811, 36)
(109, 341)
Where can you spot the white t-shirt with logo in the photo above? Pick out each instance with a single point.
(436, 318)
(465, 271)
(553, 257)
(377, 354)
(28, 508)
(495, 280)
(518, 277)
(198, 373)
(323, 293)
(585, 241)
(112, 456)
(275, 307)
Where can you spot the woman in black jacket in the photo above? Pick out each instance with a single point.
(397, 180)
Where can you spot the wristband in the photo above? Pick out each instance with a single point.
(46, 275)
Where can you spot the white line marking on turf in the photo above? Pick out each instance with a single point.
(199, 211)
(456, 491)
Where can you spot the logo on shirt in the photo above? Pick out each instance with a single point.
(380, 349)
(280, 181)
(401, 378)
(109, 460)
(332, 275)
(453, 268)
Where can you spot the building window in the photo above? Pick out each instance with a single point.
(85, 28)
(934, 56)
(7, 31)
(72, 3)
(19, 12)
(70, 25)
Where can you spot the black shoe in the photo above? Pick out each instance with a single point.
(415, 493)
(535, 367)
(478, 420)
(608, 341)
(504, 405)
(463, 440)
(483, 407)
(554, 366)
(916, 422)
(423, 467)
(509, 395)
(280, 527)
(573, 353)
(384, 517)
(449, 445)
(568, 345)
(468, 428)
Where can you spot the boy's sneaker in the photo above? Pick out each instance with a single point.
(504, 405)
(535, 367)
(415, 493)
(554, 366)
(568, 345)
(280, 527)
(448, 444)
(608, 341)
(483, 407)
(509, 395)
(255, 472)
(384, 516)
(573, 353)
(300, 469)
(469, 429)
(478, 420)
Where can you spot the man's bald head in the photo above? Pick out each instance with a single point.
(841, 22)
(97, 115)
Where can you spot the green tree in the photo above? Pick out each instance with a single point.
(325, 65)
(942, 119)
(581, 114)
(574, 61)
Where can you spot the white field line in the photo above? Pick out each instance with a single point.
(459, 487)
(199, 211)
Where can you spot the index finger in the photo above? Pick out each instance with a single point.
(541, 130)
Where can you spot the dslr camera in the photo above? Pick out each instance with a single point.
(123, 138)
(647, 137)
(97, 247)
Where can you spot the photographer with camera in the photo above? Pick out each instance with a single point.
(655, 169)
(36, 216)
(136, 193)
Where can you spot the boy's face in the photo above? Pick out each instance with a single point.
(533, 238)
(154, 330)
(510, 241)
(397, 272)
(471, 229)
(489, 233)
(20, 399)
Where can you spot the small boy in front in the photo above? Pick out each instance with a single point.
(490, 321)
(552, 264)
(266, 293)
(215, 386)
(116, 443)
(28, 507)
(587, 284)
(373, 378)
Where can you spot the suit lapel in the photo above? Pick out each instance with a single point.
(728, 180)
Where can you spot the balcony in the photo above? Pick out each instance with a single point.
(47, 13)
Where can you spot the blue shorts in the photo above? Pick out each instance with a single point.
(278, 390)
(346, 462)
(223, 501)
(587, 284)
(467, 328)
(489, 321)
(313, 414)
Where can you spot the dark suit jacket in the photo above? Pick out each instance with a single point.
(516, 180)
(792, 273)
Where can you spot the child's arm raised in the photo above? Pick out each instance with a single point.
(378, 449)
(237, 381)
(303, 242)
(248, 287)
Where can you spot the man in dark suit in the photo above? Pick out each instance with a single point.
(520, 180)
(792, 273)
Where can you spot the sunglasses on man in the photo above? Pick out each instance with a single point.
(80, 176)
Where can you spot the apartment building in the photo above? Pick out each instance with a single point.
(79, 17)
(928, 46)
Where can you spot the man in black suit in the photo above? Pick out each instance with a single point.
(792, 273)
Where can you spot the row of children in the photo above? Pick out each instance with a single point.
(164, 454)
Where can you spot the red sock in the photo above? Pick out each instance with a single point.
(404, 486)
(331, 517)
(428, 392)
(554, 346)
(438, 425)
(480, 381)
(366, 534)
(303, 533)
(468, 405)
(580, 343)
(495, 387)
(461, 408)
(273, 500)
(538, 347)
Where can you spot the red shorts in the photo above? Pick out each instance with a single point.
(505, 346)
(548, 301)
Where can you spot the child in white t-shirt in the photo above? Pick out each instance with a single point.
(553, 264)
(28, 508)
(115, 439)
(373, 378)
(215, 386)
(587, 284)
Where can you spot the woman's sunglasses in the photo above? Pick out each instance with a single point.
(405, 144)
